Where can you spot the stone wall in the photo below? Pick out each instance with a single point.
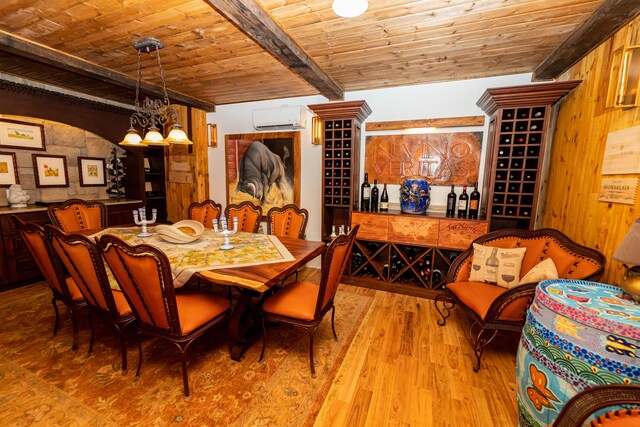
(63, 140)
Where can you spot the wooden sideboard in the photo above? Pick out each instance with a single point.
(17, 267)
(406, 253)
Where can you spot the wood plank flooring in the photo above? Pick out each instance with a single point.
(404, 370)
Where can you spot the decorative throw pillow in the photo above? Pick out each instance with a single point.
(510, 262)
(483, 270)
(496, 265)
(542, 271)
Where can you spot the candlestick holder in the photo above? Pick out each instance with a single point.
(225, 232)
(140, 218)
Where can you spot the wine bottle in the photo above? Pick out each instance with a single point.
(365, 192)
(374, 196)
(491, 275)
(463, 204)
(384, 199)
(451, 202)
(474, 203)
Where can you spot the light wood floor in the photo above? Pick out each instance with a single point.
(404, 369)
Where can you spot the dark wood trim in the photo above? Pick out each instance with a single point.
(17, 45)
(357, 110)
(258, 24)
(602, 24)
(525, 95)
(445, 122)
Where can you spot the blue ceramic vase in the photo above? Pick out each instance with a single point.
(414, 194)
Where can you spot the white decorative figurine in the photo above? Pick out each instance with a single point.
(17, 197)
(225, 232)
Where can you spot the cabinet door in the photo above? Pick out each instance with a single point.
(414, 230)
(372, 226)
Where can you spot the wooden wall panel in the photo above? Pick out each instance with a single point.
(582, 126)
(181, 194)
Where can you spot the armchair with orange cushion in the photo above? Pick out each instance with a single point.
(492, 307)
(248, 214)
(77, 214)
(205, 212)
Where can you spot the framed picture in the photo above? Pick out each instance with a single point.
(92, 172)
(8, 169)
(21, 135)
(263, 168)
(50, 170)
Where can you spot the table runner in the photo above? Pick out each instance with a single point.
(204, 254)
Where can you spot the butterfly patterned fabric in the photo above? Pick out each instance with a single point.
(577, 335)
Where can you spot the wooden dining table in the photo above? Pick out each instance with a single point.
(252, 281)
(244, 323)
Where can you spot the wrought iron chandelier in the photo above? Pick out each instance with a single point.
(153, 114)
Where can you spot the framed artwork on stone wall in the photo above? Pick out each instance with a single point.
(92, 172)
(21, 135)
(8, 169)
(50, 170)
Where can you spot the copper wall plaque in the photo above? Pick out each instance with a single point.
(446, 158)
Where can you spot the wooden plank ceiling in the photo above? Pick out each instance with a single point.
(395, 43)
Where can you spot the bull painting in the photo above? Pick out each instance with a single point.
(261, 168)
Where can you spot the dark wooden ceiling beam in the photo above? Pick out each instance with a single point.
(602, 24)
(17, 45)
(258, 24)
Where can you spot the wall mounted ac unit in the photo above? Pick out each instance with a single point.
(280, 118)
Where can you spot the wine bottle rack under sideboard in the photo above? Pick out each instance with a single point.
(520, 125)
(408, 254)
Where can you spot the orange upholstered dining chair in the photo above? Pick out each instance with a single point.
(144, 274)
(589, 401)
(305, 304)
(77, 214)
(83, 260)
(63, 289)
(205, 212)
(248, 214)
(287, 221)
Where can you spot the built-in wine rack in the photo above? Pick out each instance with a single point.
(338, 162)
(401, 265)
(520, 117)
(517, 162)
(341, 123)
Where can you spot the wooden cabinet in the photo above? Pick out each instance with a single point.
(521, 122)
(341, 127)
(408, 254)
(16, 264)
(145, 169)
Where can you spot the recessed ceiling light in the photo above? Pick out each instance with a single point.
(349, 8)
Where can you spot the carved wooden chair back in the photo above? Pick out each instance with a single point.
(83, 260)
(287, 221)
(144, 275)
(586, 403)
(205, 212)
(76, 215)
(334, 262)
(248, 214)
(63, 289)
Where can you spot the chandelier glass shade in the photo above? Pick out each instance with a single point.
(349, 8)
(153, 114)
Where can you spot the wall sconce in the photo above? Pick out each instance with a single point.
(212, 134)
(316, 130)
(624, 80)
